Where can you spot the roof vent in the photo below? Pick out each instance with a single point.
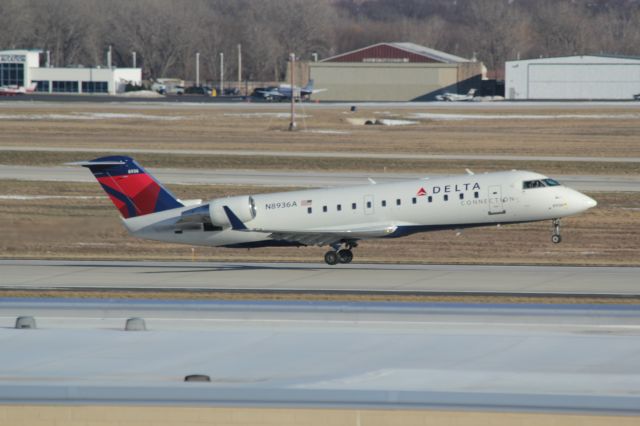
(135, 324)
(26, 322)
(197, 378)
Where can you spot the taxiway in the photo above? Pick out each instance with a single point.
(464, 279)
(288, 179)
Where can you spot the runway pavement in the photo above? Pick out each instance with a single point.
(296, 178)
(297, 354)
(407, 279)
(317, 154)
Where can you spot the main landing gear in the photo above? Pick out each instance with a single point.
(340, 255)
(556, 238)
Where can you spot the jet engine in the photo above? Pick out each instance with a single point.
(243, 207)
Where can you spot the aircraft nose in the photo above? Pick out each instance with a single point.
(586, 202)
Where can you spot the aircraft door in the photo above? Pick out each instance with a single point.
(495, 200)
(368, 204)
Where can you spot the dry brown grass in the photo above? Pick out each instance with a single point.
(315, 297)
(91, 229)
(233, 128)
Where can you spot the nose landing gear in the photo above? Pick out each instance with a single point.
(344, 255)
(556, 238)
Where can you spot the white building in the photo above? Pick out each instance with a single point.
(22, 68)
(573, 78)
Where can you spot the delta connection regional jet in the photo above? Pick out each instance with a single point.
(335, 217)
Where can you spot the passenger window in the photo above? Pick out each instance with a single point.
(339, 207)
(430, 198)
(368, 204)
(384, 203)
(476, 194)
(398, 202)
(353, 206)
(414, 200)
(446, 197)
(461, 196)
(309, 210)
(324, 209)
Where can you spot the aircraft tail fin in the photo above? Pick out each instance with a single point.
(132, 190)
(309, 86)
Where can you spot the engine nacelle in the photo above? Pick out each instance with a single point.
(243, 207)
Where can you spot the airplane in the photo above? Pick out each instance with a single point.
(336, 217)
(17, 90)
(455, 97)
(284, 91)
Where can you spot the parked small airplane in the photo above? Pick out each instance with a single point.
(17, 90)
(284, 91)
(455, 97)
(335, 217)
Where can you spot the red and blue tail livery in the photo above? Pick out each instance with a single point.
(133, 191)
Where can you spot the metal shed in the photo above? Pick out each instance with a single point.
(394, 72)
(573, 78)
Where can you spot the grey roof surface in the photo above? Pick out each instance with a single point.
(413, 48)
(493, 357)
(429, 52)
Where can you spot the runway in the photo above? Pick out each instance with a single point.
(402, 279)
(288, 179)
(319, 154)
(294, 354)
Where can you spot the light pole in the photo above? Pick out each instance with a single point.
(221, 73)
(239, 67)
(133, 54)
(198, 69)
(292, 124)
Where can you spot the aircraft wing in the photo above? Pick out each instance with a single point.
(272, 93)
(329, 237)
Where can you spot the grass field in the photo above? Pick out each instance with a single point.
(89, 227)
(610, 131)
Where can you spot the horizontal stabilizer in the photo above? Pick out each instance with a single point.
(95, 163)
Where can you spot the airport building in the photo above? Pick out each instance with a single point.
(573, 78)
(394, 72)
(22, 68)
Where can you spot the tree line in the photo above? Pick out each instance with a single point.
(166, 34)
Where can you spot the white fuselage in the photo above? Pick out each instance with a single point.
(402, 208)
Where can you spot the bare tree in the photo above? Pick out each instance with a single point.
(166, 34)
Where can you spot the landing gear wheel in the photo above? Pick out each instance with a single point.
(345, 256)
(556, 238)
(331, 257)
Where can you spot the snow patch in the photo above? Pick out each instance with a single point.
(263, 114)
(89, 116)
(460, 117)
(49, 197)
(141, 94)
(390, 122)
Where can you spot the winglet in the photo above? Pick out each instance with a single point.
(236, 224)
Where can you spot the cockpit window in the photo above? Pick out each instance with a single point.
(551, 182)
(528, 184)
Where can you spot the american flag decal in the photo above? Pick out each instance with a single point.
(305, 203)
